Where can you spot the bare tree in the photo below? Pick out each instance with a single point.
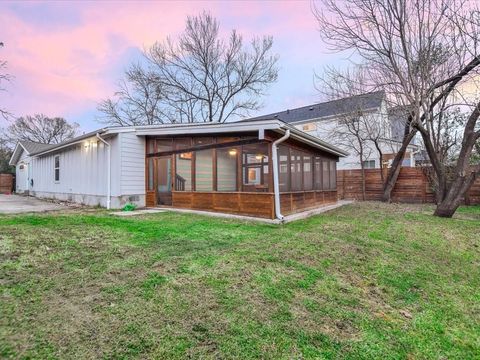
(349, 133)
(414, 49)
(454, 176)
(372, 127)
(4, 77)
(200, 77)
(137, 101)
(42, 129)
(5, 155)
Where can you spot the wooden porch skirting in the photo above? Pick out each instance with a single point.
(256, 204)
(297, 201)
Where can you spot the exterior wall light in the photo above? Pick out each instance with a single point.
(232, 152)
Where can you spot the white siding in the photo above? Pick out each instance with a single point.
(83, 170)
(132, 164)
(21, 175)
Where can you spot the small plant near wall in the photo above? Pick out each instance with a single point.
(129, 207)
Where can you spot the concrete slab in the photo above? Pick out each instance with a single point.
(286, 219)
(137, 212)
(16, 204)
(317, 211)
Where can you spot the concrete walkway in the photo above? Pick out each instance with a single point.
(16, 204)
(286, 219)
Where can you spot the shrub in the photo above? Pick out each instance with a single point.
(129, 207)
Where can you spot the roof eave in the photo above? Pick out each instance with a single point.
(72, 142)
(314, 141)
(328, 117)
(209, 128)
(17, 146)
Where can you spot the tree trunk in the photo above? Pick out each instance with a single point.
(462, 182)
(453, 198)
(394, 170)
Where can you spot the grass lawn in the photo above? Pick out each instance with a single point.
(364, 281)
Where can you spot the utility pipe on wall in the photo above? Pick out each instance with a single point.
(276, 187)
(109, 170)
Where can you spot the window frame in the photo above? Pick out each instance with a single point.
(260, 167)
(369, 162)
(234, 157)
(311, 126)
(56, 168)
(333, 175)
(284, 150)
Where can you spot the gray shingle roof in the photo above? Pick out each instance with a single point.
(34, 147)
(368, 101)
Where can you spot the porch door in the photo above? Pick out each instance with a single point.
(164, 180)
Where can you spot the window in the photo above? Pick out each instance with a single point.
(164, 145)
(309, 127)
(202, 141)
(296, 170)
(225, 139)
(326, 174)
(150, 146)
(183, 172)
(164, 176)
(150, 174)
(227, 169)
(333, 175)
(369, 164)
(283, 173)
(255, 165)
(318, 173)
(183, 143)
(307, 172)
(204, 170)
(57, 168)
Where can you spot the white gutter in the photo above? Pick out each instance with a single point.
(276, 188)
(109, 187)
(208, 128)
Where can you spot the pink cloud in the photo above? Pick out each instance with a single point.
(66, 69)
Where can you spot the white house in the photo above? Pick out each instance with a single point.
(326, 121)
(259, 168)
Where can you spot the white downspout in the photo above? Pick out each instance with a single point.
(276, 188)
(109, 170)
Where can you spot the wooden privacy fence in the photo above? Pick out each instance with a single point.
(6, 183)
(412, 186)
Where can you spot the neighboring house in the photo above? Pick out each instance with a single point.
(327, 121)
(215, 167)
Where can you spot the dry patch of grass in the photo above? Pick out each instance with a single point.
(368, 280)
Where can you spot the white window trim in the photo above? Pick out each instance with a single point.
(311, 126)
(56, 168)
(369, 161)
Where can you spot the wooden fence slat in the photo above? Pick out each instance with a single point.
(412, 186)
(6, 183)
